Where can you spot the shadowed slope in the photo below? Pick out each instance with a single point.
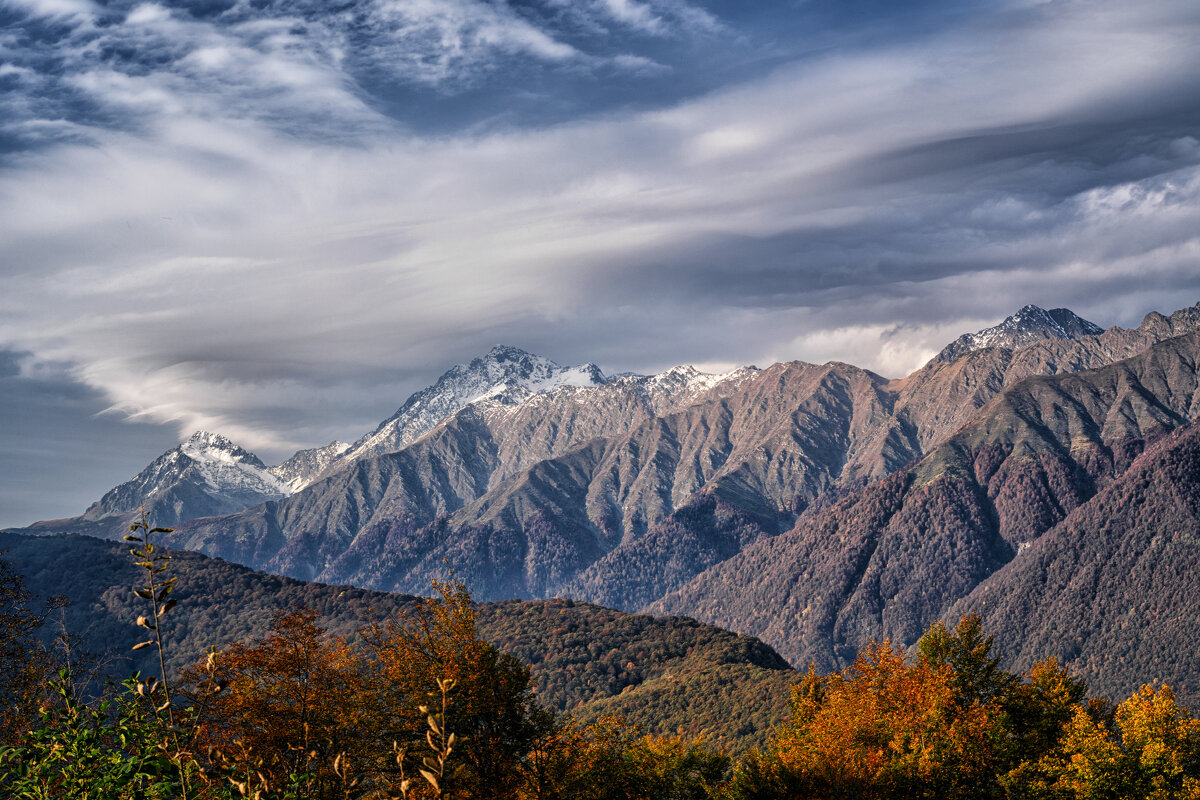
(1114, 589)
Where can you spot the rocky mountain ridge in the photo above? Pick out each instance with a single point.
(303, 467)
(505, 374)
(589, 494)
(622, 491)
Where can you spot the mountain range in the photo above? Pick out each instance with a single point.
(813, 506)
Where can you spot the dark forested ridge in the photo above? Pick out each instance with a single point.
(665, 674)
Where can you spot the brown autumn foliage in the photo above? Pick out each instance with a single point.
(305, 708)
(303, 702)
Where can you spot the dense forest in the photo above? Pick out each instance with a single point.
(417, 704)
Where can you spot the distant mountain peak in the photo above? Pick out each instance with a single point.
(1028, 325)
(206, 474)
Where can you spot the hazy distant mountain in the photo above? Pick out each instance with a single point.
(1029, 325)
(490, 456)
(507, 382)
(206, 475)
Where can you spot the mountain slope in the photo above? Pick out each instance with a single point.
(622, 492)
(1113, 589)
(938, 399)
(554, 481)
(893, 557)
(462, 497)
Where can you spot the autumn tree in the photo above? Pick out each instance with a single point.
(492, 710)
(304, 707)
(1149, 749)
(885, 728)
(289, 706)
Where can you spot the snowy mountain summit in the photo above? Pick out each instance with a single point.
(505, 374)
(305, 465)
(1029, 325)
(205, 475)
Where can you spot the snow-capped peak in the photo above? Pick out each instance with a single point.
(206, 446)
(225, 466)
(684, 384)
(1030, 324)
(504, 374)
(205, 474)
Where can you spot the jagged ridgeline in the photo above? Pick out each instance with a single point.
(666, 675)
(816, 507)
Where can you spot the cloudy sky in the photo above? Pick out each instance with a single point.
(276, 218)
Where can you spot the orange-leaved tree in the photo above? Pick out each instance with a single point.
(491, 709)
(290, 705)
(885, 728)
(311, 712)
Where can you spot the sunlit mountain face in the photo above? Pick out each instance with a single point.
(276, 219)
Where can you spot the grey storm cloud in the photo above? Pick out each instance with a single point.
(237, 219)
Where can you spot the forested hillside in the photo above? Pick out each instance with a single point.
(418, 706)
(670, 674)
(1113, 588)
